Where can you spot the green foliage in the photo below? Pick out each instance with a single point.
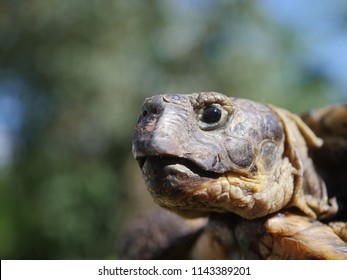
(86, 67)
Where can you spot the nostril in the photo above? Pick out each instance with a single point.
(154, 110)
(142, 116)
(150, 111)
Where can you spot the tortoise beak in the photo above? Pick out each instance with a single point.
(151, 139)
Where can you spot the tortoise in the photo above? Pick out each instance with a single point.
(237, 179)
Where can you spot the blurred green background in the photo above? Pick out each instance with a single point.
(73, 76)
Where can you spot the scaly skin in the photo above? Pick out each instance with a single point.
(205, 153)
(252, 162)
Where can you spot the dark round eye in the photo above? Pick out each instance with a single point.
(211, 115)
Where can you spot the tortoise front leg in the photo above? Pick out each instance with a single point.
(160, 235)
(292, 236)
(340, 228)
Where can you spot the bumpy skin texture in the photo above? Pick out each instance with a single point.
(205, 153)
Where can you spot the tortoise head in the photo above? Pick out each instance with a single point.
(205, 152)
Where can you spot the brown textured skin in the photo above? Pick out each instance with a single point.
(290, 236)
(248, 165)
(281, 236)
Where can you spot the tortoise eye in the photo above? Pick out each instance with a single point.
(211, 115)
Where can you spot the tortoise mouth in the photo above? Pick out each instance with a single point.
(162, 163)
(172, 181)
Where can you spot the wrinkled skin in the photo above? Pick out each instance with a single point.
(205, 153)
(239, 164)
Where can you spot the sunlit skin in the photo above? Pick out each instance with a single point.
(207, 152)
(244, 166)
